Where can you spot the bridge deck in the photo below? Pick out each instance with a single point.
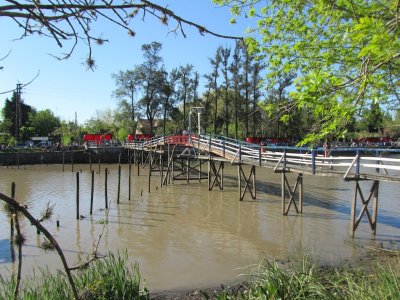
(290, 159)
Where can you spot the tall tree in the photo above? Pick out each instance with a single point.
(151, 77)
(167, 95)
(256, 92)
(213, 83)
(346, 53)
(225, 55)
(126, 87)
(246, 86)
(184, 79)
(235, 68)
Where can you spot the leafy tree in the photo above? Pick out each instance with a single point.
(43, 123)
(235, 68)
(345, 53)
(68, 132)
(256, 93)
(225, 54)
(372, 119)
(278, 98)
(9, 116)
(101, 123)
(151, 77)
(168, 99)
(212, 80)
(183, 76)
(126, 82)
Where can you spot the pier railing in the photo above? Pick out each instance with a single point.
(346, 162)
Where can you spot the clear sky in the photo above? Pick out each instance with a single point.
(67, 86)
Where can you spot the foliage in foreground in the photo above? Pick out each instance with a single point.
(382, 281)
(108, 278)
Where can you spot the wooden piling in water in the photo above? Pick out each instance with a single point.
(77, 195)
(119, 183)
(11, 218)
(138, 168)
(99, 163)
(91, 193)
(150, 167)
(129, 176)
(105, 188)
(72, 161)
(90, 161)
(63, 159)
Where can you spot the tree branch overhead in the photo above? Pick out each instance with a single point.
(66, 21)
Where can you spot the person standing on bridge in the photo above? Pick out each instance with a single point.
(327, 149)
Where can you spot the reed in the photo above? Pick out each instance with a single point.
(109, 278)
(377, 280)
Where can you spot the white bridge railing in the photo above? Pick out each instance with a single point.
(280, 158)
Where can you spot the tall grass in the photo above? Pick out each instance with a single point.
(376, 281)
(108, 278)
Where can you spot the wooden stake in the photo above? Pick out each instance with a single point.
(63, 159)
(129, 177)
(119, 183)
(11, 218)
(91, 194)
(99, 162)
(77, 195)
(105, 188)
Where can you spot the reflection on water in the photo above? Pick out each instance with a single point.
(185, 236)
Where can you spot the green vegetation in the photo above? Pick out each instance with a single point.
(308, 70)
(113, 278)
(108, 278)
(377, 280)
(343, 57)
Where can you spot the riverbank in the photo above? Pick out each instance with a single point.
(379, 266)
(65, 156)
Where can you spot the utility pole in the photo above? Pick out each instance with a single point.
(17, 111)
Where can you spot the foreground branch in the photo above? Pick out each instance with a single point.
(15, 205)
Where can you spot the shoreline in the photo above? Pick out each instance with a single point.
(366, 263)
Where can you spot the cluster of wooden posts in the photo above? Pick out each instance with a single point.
(177, 163)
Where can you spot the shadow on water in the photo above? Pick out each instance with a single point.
(314, 198)
(130, 217)
(6, 250)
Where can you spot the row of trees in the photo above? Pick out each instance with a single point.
(232, 104)
(340, 62)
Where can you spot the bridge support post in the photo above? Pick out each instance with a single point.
(292, 193)
(247, 186)
(373, 195)
(215, 176)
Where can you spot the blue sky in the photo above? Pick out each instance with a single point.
(67, 86)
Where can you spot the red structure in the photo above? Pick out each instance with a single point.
(138, 137)
(97, 138)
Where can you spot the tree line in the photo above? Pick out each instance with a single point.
(233, 104)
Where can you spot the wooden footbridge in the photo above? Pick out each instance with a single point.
(182, 157)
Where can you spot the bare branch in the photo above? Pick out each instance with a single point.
(66, 20)
(22, 85)
(48, 235)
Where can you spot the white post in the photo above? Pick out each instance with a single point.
(198, 122)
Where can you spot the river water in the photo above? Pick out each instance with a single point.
(184, 236)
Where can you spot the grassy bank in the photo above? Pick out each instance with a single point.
(111, 278)
(376, 277)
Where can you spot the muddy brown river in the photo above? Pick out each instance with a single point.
(184, 236)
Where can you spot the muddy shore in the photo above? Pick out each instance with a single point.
(381, 256)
